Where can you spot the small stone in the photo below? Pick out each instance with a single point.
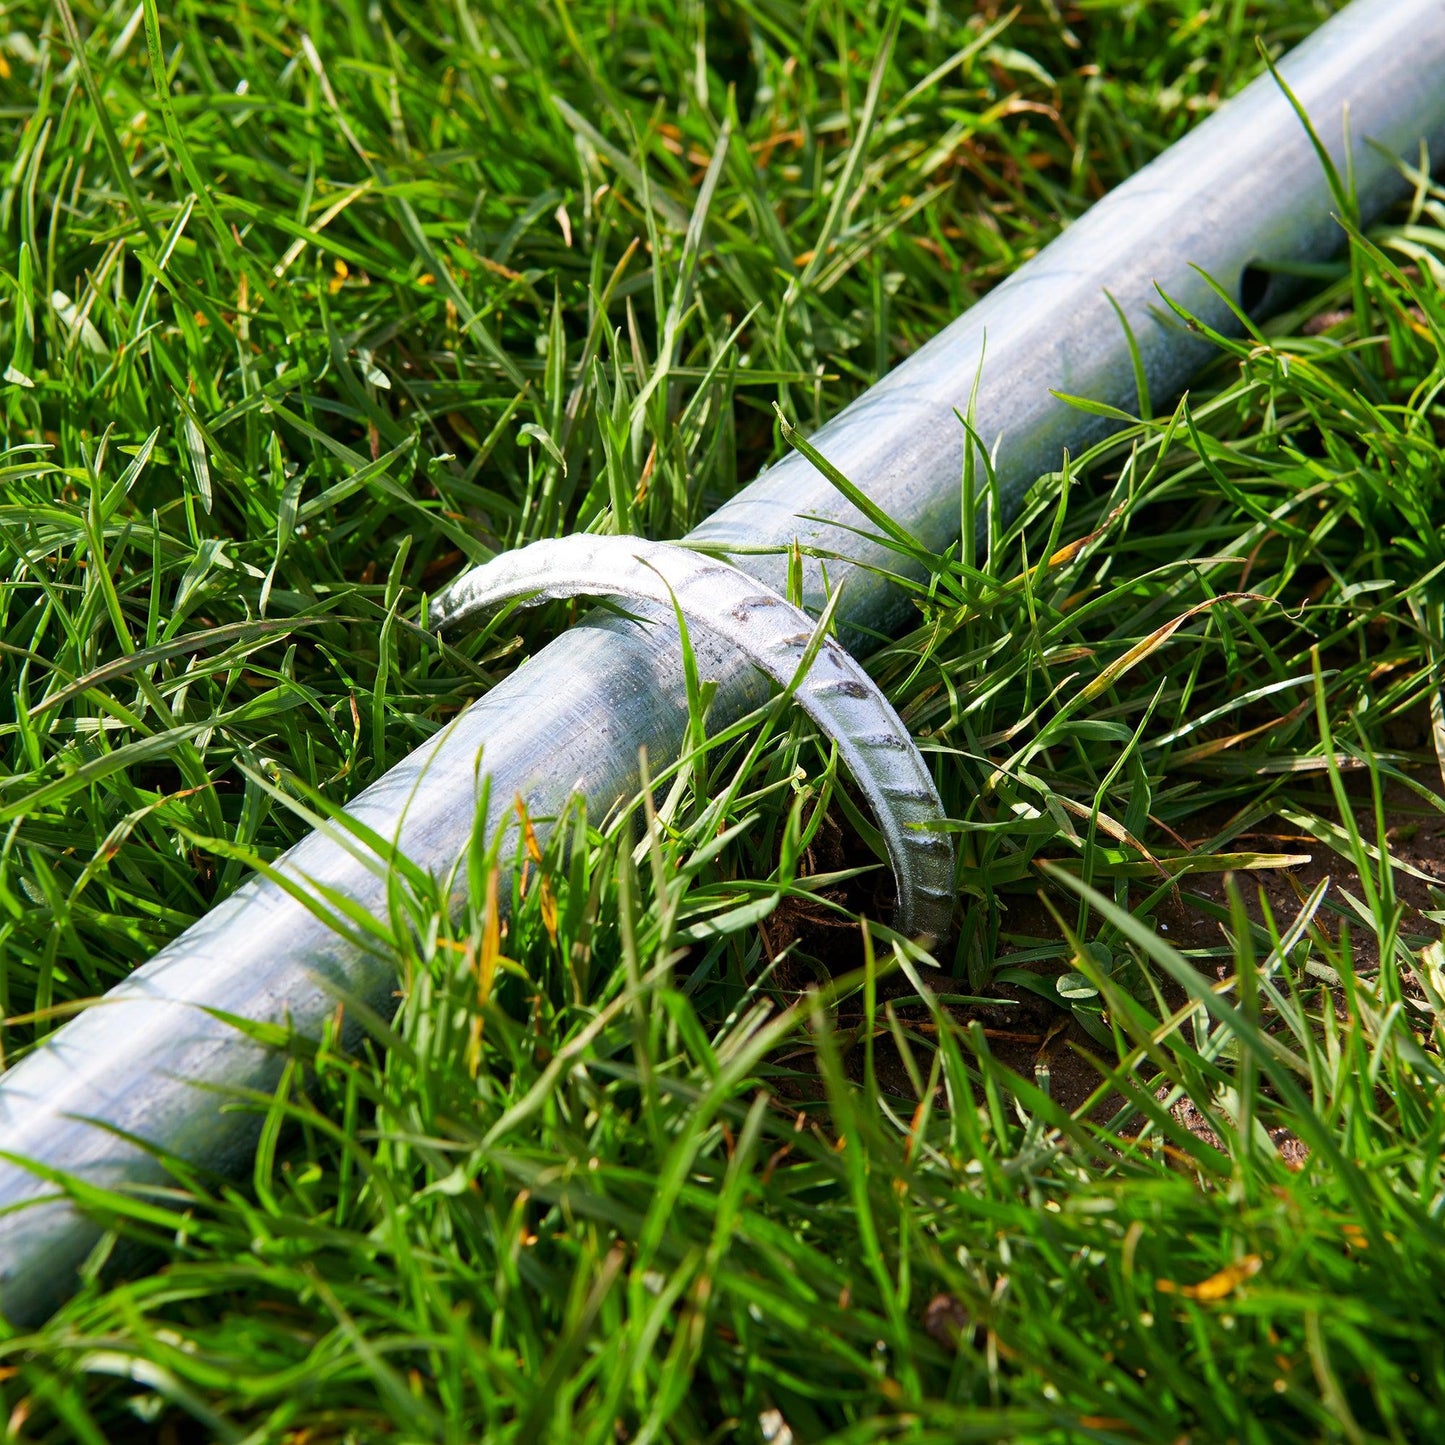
(945, 1320)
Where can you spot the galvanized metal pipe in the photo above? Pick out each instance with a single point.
(152, 1061)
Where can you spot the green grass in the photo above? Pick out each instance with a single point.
(307, 305)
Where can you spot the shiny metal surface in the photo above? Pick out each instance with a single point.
(1244, 188)
(777, 637)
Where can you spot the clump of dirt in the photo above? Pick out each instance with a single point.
(1032, 1036)
(1292, 1149)
(808, 942)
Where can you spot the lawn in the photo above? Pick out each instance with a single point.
(306, 306)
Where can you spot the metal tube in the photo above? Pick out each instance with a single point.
(779, 638)
(1244, 189)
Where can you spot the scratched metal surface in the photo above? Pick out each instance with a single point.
(1244, 187)
(835, 691)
